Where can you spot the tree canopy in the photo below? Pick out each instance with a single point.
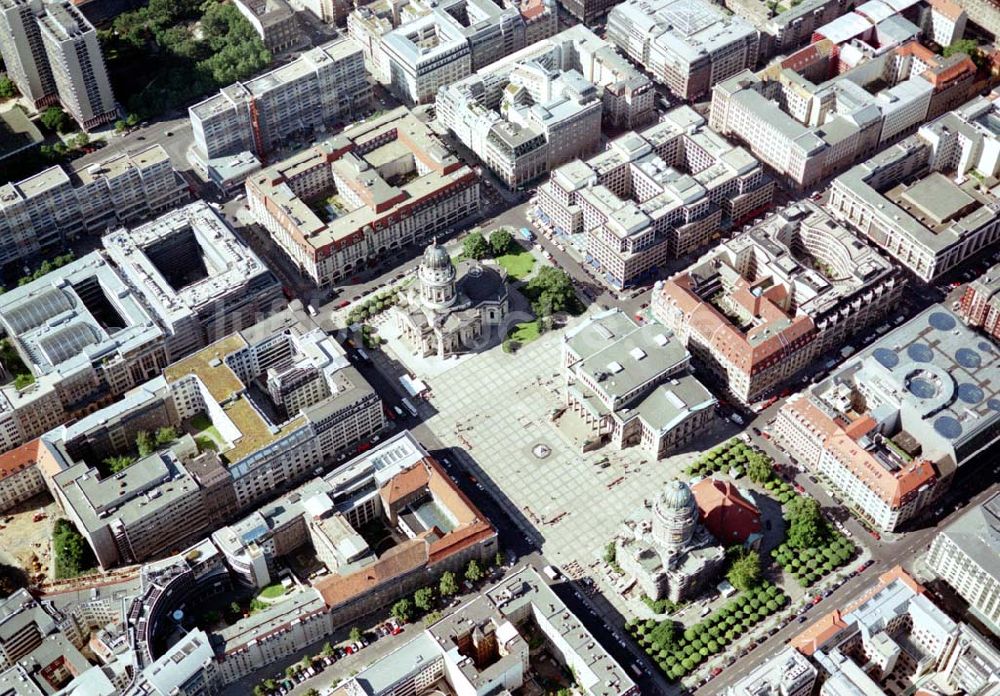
(551, 291)
(12, 579)
(7, 87)
(145, 443)
(402, 610)
(501, 241)
(758, 467)
(448, 585)
(807, 528)
(55, 119)
(967, 46)
(423, 598)
(172, 51)
(70, 549)
(745, 571)
(474, 246)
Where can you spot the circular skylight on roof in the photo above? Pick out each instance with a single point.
(941, 321)
(948, 427)
(921, 388)
(887, 358)
(985, 347)
(968, 358)
(970, 393)
(994, 404)
(920, 352)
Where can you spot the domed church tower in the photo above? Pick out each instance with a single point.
(437, 277)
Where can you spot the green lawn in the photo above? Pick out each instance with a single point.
(272, 591)
(518, 265)
(202, 425)
(525, 333)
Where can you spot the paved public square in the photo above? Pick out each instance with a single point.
(498, 408)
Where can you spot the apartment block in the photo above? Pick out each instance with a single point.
(687, 45)
(264, 444)
(966, 555)
(894, 634)
(52, 55)
(785, 28)
(763, 305)
(890, 426)
(982, 12)
(974, 664)
(325, 85)
(419, 46)
(150, 508)
(872, 29)
(633, 386)
(654, 195)
(808, 125)
(944, 21)
(543, 106)
(198, 279)
(587, 11)
(480, 647)
(980, 303)
(929, 201)
(329, 11)
(788, 673)
(40, 651)
(376, 186)
(43, 213)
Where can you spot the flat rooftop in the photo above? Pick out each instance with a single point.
(186, 260)
(941, 377)
(936, 200)
(304, 66)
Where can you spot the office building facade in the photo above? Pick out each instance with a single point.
(45, 212)
(687, 45)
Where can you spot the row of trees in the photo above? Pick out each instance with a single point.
(47, 267)
(735, 455)
(173, 51)
(678, 651)
(475, 245)
(373, 306)
(425, 599)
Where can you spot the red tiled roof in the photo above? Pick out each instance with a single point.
(893, 487)
(725, 512)
(472, 528)
(19, 458)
